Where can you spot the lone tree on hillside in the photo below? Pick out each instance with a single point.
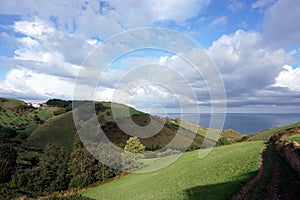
(134, 145)
(132, 149)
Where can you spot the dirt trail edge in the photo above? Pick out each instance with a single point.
(243, 193)
(275, 179)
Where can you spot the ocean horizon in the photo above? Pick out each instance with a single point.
(246, 123)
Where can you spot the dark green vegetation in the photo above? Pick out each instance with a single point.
(38, 158)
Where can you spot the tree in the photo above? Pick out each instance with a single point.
(133, 150)
(82, 166)
(84, 169)
(52, 169)
(134, 145)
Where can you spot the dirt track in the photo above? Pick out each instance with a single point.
(283, 184)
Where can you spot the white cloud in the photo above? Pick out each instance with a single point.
(246, 63)
(289, 78)
(281, 23)
(25, 84)
(136, 13)
(101, 18)
(37, 28)
(56, 36)
(219, 21)
(236, 5)
(262, 3)
(45, 63)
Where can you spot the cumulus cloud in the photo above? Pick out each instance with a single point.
(281, 23)
(156, 10)
(104, 18)
(289, 78)
(247, 64)
(53, 38)
(25, 84)
(45, 63)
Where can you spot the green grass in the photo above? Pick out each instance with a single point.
(46, 113)
(121, 109)
(59, 129)
(294, 138)
(9, 103)
(192, 127)
(265, 135)
(218, 176)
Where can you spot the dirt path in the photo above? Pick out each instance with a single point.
(272, 189)
(243, 193)
(281, 183)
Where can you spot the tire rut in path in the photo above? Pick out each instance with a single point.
(243, 193)
(272, 189)
(279, 187)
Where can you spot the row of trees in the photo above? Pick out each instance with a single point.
(54, 170)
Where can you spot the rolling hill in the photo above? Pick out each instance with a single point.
(61, 129)
(265, 135)
(217, 176)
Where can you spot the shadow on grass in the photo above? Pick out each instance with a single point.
(287, 183)
(217, 191)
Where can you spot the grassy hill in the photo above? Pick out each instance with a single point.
(11, 103)
(21, 118)
(265, 135)
(217, 176)
(53, 123)
(59, 129)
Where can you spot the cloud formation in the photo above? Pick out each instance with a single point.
(281, 23)
(247, 66)
(289, 78)
(262, 3)
(52, 39)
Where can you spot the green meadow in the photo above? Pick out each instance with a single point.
(217, 176)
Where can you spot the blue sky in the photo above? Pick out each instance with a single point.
(254, 44)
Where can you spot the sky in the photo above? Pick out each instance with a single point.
(254, 45)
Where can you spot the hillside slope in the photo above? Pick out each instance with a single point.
(19, 119)
(53, 123)
(59, 129)
(217, 176)
(265, 135)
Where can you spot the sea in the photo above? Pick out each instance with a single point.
(245, 123)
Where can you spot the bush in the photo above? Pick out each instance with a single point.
(58, 103)
(81, 180)
(223, 141)
(60, 111)
(7, 133)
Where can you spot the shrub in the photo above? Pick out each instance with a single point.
(81, 180)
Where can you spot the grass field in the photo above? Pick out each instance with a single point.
(59, 129)
(265, 135)
(294, 138)
(10, 103)
(218, 176)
